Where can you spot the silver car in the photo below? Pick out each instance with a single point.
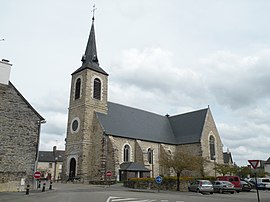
(223, 186)
(201, 186)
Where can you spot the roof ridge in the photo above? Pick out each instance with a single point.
(190, 112)
(138, 109)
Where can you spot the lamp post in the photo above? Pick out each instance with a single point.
(55, 164)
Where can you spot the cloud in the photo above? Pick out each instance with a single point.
(152, 74)
(238, 81)
(235, 85)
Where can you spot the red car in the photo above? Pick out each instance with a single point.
(235, 180)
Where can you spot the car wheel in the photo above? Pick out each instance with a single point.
(232, 192)
(211, 192)
(198, 191)
(237, 191)
(221, 191)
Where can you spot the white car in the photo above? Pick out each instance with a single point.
(262, 183)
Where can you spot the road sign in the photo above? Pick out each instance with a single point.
(158, 179)
(109, 173)
(37, 175)
(254, 163)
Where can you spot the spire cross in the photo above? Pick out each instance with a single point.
(93, 10)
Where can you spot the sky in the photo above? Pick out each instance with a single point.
(163, 56)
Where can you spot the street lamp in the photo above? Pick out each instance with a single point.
(55, 164)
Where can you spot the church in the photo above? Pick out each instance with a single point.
(105, 137)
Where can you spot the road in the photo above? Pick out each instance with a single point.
(118, 193)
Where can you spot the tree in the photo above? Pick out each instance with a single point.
(222, 169)
(245, 172)
(179, 161)
(226, 169)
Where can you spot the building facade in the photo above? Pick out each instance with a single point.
(19, 135)
(50, 164)
(103, 136)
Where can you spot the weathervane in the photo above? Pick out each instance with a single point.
(94, 8)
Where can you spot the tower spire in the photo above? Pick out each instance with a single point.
(90, 59)
(90, 55)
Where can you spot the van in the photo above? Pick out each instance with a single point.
(262, 183)
(235, 180)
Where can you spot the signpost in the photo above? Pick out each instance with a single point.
(158, 181)
(109, 174)
(37, 175)
(254, 164)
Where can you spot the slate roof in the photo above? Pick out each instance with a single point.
(128, 122)
(267, 161)
(133, 166)
(48, 156)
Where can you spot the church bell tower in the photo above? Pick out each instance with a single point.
(88, 94)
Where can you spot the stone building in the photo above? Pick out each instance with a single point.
(19, 135)
(50, 163)
(104, 136)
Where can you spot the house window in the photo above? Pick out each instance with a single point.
(150, 156)
(212, 148)
(78, 89)
(126, 153)
(97, 89)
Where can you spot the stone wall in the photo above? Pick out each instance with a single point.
(85, 144)
(19, 137)
(211, 129)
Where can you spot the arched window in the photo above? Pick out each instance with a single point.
(150, 156)
(78, 89)
(97, 89)
(212, 148)
(126, 153)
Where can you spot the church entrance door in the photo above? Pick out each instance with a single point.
(72, 169)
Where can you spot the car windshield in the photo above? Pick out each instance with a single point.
(265, 180)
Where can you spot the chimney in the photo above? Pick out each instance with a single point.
(5, 68)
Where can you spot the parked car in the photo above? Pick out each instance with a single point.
(246, 186)
(235, 180)
(223, 186)
(201, 186)
(262, 183)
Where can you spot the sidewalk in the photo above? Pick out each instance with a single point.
(8, 196)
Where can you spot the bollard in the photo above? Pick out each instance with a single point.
(50, 185)
(39, 184)
(27, 189)
(43, 188)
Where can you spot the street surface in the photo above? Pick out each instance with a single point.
(118, 193)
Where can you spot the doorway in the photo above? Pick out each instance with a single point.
(72, 169)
